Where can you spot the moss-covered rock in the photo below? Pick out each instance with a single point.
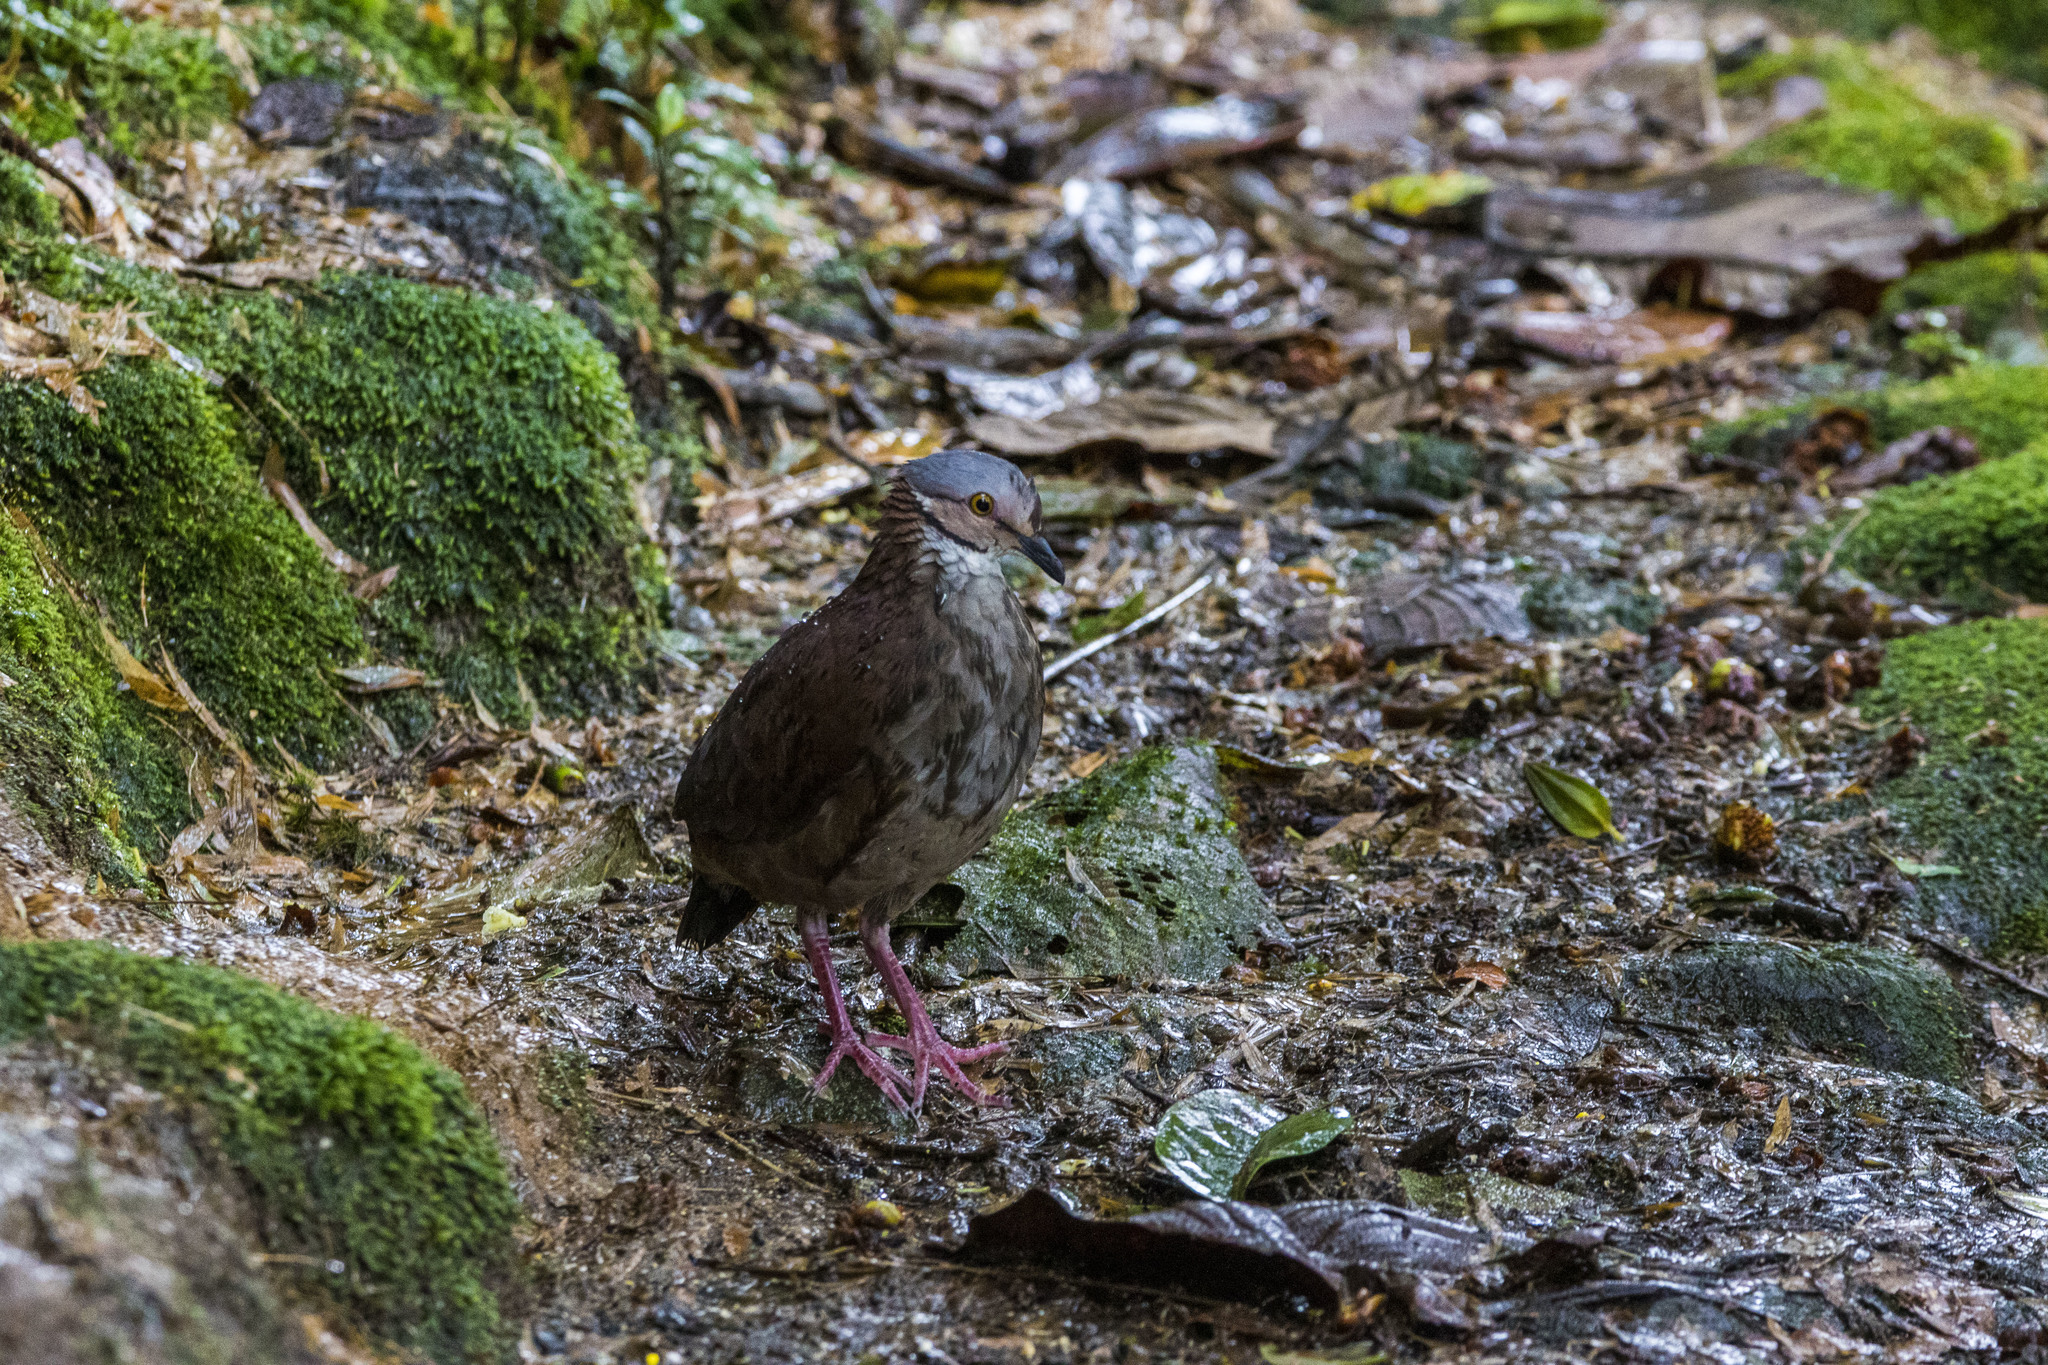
(1979, 295)
(1969, 804)
(100, 775)
(2010, 36)
(1571, 605)
(1868, 1006)
(83, 66)
(1877, 133)
(482, 446)
(1972, 537)
(353, 1147)
(154, 510)
(1132, 871)
(2003, 408)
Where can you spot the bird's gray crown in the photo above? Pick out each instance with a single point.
(959, 474)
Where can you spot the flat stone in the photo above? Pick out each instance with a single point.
(1132, 872)
(1874, 1008)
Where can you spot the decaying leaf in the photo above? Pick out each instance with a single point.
(1402, 612)
(1241, 1252)
(143, 682)
(363, 678)
(1579, 808)
(1744, 218)
(1781, 1126)
(1745, 836)
(1160, 422)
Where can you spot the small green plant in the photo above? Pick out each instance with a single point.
(705, 180)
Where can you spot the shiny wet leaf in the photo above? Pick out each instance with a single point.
(1579, 808)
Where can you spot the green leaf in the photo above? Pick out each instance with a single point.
(1913, 869)
(1216, 1141)
(627, 103)
(671, 111)
(1298, 1135)
(1579, 807)
(1412, 196)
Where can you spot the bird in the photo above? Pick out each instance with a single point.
(876, 746)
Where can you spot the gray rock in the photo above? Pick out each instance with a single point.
(1865, 1005)
(1132, 872)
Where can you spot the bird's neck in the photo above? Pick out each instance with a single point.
(909, 551)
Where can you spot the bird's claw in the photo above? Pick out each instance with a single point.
(927, 1050)
(891, 1082)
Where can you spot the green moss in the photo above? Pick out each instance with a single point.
(1878, 134)
(1572, 605)
(153, 509)
(2011, 36)
(1166, 891)
(354, 1146)
(1977, 806)
(1874, 1008)
(389, 29)
(1980, 293)
(81, 66)
(23, 204)
(2002, 407)
(1411, 462)
(1975, 537)
(98, 774)
(484, 447)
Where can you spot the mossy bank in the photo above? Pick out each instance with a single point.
(482, 448)
(378, 1191)
(1972, 806)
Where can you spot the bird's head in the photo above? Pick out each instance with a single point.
(982, 503)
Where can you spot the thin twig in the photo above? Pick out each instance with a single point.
(1067, 661)
(2017, 983)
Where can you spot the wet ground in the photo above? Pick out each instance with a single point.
(1723, 1083)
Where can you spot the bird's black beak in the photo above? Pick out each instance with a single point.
(1038, 552)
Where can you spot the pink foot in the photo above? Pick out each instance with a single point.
(887, 1078)
(926, 1049)
(846, 1039)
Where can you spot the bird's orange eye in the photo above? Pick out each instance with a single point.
(981, 504)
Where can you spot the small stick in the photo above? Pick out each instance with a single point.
(1067, 661)
(1979, 963)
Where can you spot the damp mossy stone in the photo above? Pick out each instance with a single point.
(1878, 133)
(1975, 806)
(1978, 537)
(1980, 293)
(1133, 871)
(352, 1146)
(1864, 1005)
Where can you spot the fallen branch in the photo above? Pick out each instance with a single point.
(2016, 982)
(1093, 647)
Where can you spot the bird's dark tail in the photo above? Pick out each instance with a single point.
(714, 910)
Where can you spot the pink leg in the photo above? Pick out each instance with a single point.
(846, 1039)
(926, 1048)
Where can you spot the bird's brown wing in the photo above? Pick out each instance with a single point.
(790, 767)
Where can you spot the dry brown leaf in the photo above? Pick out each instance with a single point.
(1487, 974)
(141, 681)
(1087, 763)
(1781, 1126)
